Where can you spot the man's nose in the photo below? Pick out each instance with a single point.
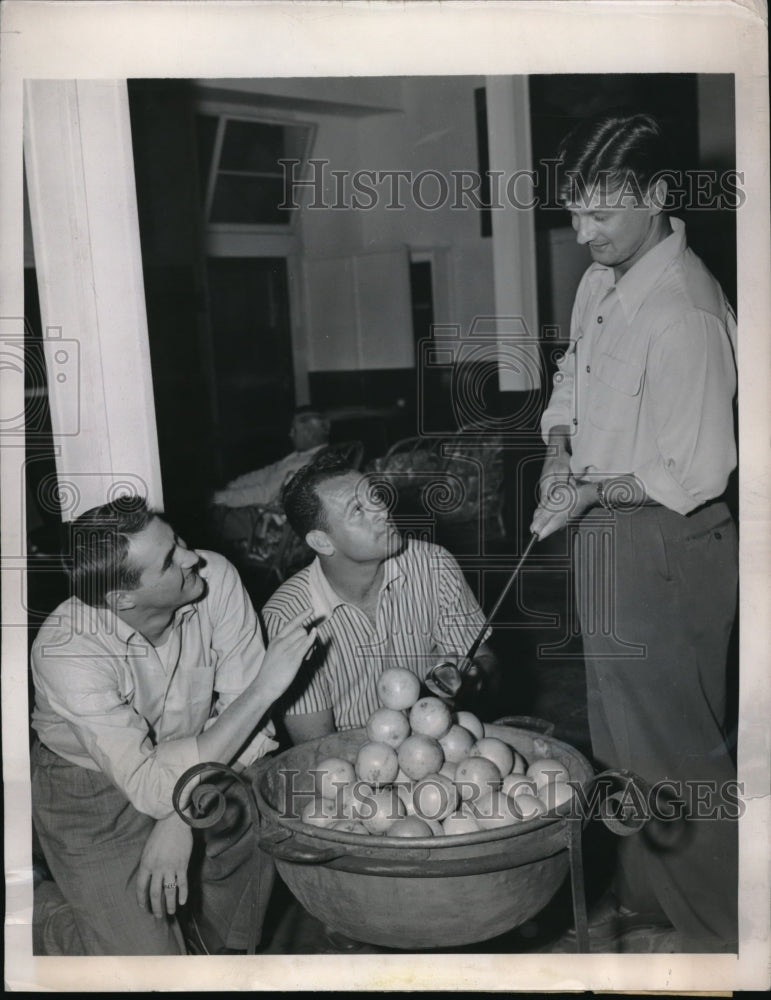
(378, 511)
(585, 229)
(188, 558)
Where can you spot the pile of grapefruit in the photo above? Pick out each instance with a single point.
(428, 772)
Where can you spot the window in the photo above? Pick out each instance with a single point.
(242, 181)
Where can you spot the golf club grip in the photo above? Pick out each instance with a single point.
(501, 597)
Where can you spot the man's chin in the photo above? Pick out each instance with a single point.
(395, 544)
(202, 590)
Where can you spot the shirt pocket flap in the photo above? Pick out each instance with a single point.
(624, 376)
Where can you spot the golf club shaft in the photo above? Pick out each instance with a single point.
(501, 597)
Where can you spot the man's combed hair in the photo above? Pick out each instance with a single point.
(612, 151)
(302, 505)
(98, 542)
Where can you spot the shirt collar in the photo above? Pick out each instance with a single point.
(325, 599)
(639, 281)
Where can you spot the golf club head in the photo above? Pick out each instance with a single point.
(444, 680)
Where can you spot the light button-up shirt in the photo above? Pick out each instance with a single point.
(647, 384)
(108, 700)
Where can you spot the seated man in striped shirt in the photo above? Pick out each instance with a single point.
(378, 602)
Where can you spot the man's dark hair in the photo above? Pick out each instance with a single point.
(302, 505)
(612, 150)
(95, 560)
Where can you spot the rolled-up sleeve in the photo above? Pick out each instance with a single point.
(87, 695)
(691, 379)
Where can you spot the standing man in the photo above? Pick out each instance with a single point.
(378, 602)
(155, 664)
(640, 439)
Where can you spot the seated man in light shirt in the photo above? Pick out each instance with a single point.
(377, 601)
(155, 664)
(309, 433)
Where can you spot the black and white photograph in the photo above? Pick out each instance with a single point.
(385, 496)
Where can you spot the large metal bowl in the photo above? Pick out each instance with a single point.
(432, 892)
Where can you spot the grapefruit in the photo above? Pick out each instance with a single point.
(420, 755)
(544, 770)
(495, 750)
(434, 797)
(405, 794)
(320, 812)
(456, 743)
(386, 808)
(493, 810)
(409, 826)
(398, 688)
(528, 806)
(514, 784)
(475, 776)
(449, 769)
(460, 822)
(330, 774)
(387, 725)
(469, 721)
(377, 763)
(430, 717)
(556, 794)
(351, 799)
(520, 764)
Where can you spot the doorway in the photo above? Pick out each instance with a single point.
(252, 359)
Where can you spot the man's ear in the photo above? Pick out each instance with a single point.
(657, 196)
(120, 600)
(320, 542)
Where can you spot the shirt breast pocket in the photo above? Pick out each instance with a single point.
(615, 393)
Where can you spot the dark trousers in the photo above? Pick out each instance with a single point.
(92, 839)
(656, 595)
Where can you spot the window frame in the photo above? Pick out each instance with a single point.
(257, 115)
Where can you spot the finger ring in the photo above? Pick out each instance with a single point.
(169, 885)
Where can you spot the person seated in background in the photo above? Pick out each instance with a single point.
(155, 663)
(309, 433)
(376, 600)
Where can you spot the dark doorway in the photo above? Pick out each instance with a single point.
(252, 357)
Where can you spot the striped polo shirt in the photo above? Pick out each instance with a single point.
(425, 612)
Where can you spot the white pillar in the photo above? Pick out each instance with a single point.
(514, 257)
(80, 175)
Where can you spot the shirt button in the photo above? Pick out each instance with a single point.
(599, 319)
(718, 535)
(575, 422)
(588, 368)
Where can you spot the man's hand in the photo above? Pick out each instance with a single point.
(562, 503)
(284, 655)
(230, 730)
(162, 874)
(556, 485)
(482, 670)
